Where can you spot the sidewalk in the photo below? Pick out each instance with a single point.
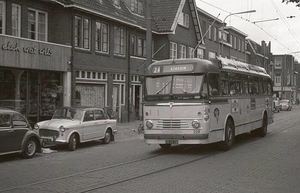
(126, 131)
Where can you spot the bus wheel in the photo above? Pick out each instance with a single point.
(229, 136)
(261, 132)
(165, 146)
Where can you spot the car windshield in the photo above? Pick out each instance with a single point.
(284, 102)
(68, 113)
(177, 84)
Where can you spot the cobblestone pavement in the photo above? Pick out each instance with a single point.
(127, 131)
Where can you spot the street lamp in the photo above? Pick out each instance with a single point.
(237, 13)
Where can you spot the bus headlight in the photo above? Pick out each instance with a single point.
(149, 124)
(62, 128)
(196, 124)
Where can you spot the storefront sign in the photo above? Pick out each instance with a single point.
(30, 50)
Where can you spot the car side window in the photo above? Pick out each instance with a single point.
(18, 121)
(88, 116)
(4, 120)
(99, 115)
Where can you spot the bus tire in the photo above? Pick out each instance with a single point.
(261, 132)
(229, 136)
(165, 146)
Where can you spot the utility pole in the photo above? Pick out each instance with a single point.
(149, 33)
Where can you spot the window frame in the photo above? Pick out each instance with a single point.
(136, 6)
(3, 17)
(182, 51)
(99, 44)
(37, 12)
(173, 50)
(81, 38)
(184, 20)
(18, 28)
(119, 48)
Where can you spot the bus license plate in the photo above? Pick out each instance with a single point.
(171, 141)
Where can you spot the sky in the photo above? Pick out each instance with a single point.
(271, 21)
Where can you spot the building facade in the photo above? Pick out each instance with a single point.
(34, 65)
(87, 52)
(285, 77)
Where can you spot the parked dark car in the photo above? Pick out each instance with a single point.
(286, 105)
(16, 134)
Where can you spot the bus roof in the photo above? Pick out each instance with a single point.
(196, 65)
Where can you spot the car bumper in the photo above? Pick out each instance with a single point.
(50, 141)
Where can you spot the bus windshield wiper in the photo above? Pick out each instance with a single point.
(162, 88)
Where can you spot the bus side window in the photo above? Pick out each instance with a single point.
(213, 80)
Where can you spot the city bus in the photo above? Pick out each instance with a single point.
(197, 101)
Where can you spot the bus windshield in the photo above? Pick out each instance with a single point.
(175, 84)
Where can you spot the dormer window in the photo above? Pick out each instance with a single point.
(136, 6)
(117, 2)
(184, 20)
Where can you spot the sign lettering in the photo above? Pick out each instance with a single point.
(30, 50)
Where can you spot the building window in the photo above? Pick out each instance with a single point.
(231, 40)
(234, 42)
(173, 50)
(204, 28)
(215, 33)
(37, 25)
(136, 6)
(184, 19)
(2, 17)
(209, 32)
(212, 55)
(191, 52)
(239, 44)
(16, 20)
(119, 41)
(141, 47)
(278, 62)
(82, 32)
(200, 53)
(243, 46)
(182, 51)
(102, 37)
(277, 80)
(133, 48)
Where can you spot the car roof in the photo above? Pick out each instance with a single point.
(6, 110)
(80, 108)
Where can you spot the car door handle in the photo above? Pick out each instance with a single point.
(10, 131)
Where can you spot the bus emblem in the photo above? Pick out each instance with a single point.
(171, 104)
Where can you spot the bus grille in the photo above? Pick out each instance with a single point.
(48, 133)
(172, 124)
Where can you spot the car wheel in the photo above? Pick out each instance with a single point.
(72, 142)
(107, 137)
(29, 148)
(229, 136)
(165, 146)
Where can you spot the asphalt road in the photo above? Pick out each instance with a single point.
(269, 164)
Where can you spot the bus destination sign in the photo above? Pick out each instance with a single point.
(173, 68)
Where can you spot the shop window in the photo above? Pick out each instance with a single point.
(2, 17)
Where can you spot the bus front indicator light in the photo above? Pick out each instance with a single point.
(196, 124)
(206, 113)
(149, 124)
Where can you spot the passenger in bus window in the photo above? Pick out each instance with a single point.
(214, 84)
(224, 87)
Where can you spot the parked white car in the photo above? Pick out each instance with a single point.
(73, 125)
